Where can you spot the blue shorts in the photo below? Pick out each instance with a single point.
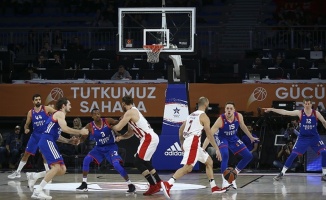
(235, 145)
(301, 145)
(50, 150)
(32, 144)
(108, 152)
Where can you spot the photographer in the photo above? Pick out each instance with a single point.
(283, 154)
(291, 133)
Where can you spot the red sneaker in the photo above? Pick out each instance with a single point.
(217, 190)
(152, 190)
(166, 189)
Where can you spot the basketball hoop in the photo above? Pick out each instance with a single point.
(153, 52)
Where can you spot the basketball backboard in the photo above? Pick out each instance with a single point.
(172, 27)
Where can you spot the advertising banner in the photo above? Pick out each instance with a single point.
(16, 99)
(148, 98)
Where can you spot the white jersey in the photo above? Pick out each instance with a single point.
(193, 126)
(141, 127)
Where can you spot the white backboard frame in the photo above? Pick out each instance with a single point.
(121, 11)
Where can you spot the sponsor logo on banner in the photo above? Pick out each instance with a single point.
(174, 150)
(176, 112)
(54, 95)
(259, 94)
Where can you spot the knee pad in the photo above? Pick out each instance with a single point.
(87, 160)
(140, 164)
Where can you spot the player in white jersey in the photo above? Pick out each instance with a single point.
(139, 126)
(189, 135)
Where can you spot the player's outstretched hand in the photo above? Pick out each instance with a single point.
(267, 109)
(84, 131)
(74, 140)
(218, 156)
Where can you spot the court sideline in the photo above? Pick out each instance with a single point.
(253, 186)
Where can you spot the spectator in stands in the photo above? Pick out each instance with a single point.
(31, 73)
(12, 148)
(46, 50)
(258, 64)
(58, 62)
(40, 62)
(279, 62)
(76, 45)
(252, 146)
(283, 154)
(122, 73)
(58, 45)
(77, 124)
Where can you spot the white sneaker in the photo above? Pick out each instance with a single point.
(234, 185)
(39, 194)
(14, 175)
(31, 180)
(226, 185)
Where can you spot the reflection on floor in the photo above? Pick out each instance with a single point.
(251, 186)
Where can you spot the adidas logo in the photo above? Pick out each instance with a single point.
(174, 150)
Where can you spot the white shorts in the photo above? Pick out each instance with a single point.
(148, 146)
(193, 152)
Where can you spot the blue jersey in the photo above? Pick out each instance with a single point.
(102, 135)
(38, 120)
(52, 128)
(308, 124)
(229, 130)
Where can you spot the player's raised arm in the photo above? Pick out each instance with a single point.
(283, 112)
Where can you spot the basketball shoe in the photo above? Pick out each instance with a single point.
(323, 178)
(14, 175)
(217, 190)
(234, 185)
(278, 177)
(39, 194)
(82, 187)
(152, 189)
(226, 185)
(31, 180)
(131, 189)
(166, 189)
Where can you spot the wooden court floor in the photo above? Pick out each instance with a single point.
(251, 186)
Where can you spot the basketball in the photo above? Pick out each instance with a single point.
(230, 174)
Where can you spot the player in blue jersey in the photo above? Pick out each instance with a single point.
(105, 148)
(37, 116)
(47, 144)
(225, 131)
(308, 136)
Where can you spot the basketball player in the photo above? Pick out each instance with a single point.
(47, 144)
(138, 125)
(308, 135)
(38, 116)
(189, 135)
(225, 131)
(105, 148)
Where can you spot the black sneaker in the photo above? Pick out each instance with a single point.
(132, 188)
(278, 177)
(82, 187)
(323, 177)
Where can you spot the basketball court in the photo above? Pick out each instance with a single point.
(253, 186)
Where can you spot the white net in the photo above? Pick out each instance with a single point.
(153, 52)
